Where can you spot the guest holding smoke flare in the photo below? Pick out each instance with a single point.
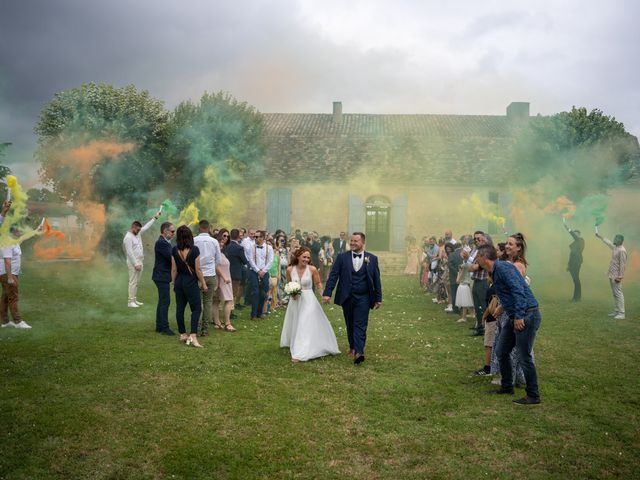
(132, 245)
(162, 276)
(615, 273)
(10, 264)
(6, 205)
(187, 278)
(575, 261)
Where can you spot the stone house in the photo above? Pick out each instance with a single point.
(386, 175)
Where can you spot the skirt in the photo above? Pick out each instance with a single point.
(463, 296)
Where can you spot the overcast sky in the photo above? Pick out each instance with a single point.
(400, 56)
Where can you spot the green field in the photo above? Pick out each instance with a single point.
(92, 392)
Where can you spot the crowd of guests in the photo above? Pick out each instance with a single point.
(475, 278)
(219, 271)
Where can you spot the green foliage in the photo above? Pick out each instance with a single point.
(93, 392)
(76, 117)
(586, 152)
(4, 170)
(43, 195)
(219, 131)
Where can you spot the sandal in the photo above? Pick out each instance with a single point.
(218, 326)
(229, 328)
(184, 337)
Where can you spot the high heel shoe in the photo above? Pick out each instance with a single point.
(192, 342)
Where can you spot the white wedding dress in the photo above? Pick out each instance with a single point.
(306, 330)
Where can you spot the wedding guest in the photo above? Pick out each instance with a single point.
(271, 302)
(260, 260)
(283, 253)
(161, 276)
(224, 292)
(615, 273)
(413, 258)
(209, 259)
(464, 299)
(339, 245)
(521, 306)
(248, 243)
(237, 264)
(188, 279)
(132, 245)
(480, 285)
(575, 261)
(454, 260)
(10, 265)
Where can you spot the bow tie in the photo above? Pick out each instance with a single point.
(357, 255)
(259, 246)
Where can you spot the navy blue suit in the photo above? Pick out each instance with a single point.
(237, 260)
(161, 276)
(357, 293)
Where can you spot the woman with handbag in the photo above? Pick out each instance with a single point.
(187, 281)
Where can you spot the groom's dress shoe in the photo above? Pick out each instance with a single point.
(358, 359)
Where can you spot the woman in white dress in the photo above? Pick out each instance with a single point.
(306, 330)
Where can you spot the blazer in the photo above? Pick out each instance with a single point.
(340, 277)
(237, 259)
(336, 247)
(162, 264)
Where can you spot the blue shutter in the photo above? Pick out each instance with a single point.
(398, 223)
(279, 209)
(356, 215)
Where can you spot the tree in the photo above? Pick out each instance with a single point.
(4, 170)
(213, 144)
(98, 142)
(579, 153)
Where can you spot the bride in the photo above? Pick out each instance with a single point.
(306, 330)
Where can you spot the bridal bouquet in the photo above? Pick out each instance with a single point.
(293, 289)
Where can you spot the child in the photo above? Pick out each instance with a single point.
(464, 300)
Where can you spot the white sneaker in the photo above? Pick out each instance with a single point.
(434, 300)
(619, 316)
(461, 320)
(138, 303)
(133, 305)
(449, 308)
(24, 325)
(612, 314)
(9, 324)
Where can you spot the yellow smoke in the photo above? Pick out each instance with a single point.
(16, 214)
(483, 210)
(214, 199)
(190, 215)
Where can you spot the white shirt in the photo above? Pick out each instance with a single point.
(132, 245)
(260, 259)
(209, 253)
(14, 253)
(357, 262)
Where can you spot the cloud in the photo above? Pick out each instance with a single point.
(376, 56)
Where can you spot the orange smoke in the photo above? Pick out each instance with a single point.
(633, 268)
(561, 205)
(51, 245)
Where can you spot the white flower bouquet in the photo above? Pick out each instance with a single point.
(293, 289)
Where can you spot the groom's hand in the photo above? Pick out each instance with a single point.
(377, 305)
(326, 300)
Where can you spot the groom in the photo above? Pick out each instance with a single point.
(359, 290)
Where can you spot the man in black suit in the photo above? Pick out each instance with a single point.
(339, 245)
(162, 277)
(238, 262)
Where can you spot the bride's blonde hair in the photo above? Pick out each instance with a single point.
(298, 253)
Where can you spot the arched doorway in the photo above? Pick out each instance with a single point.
(377, 221)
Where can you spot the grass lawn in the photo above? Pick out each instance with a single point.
(92, 392)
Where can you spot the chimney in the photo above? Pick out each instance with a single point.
(518, 111)
(337, 112)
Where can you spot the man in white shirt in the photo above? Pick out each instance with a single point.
(209, 260)
(248, 242)
(9, 272)
(132, 245)
(260, 258)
